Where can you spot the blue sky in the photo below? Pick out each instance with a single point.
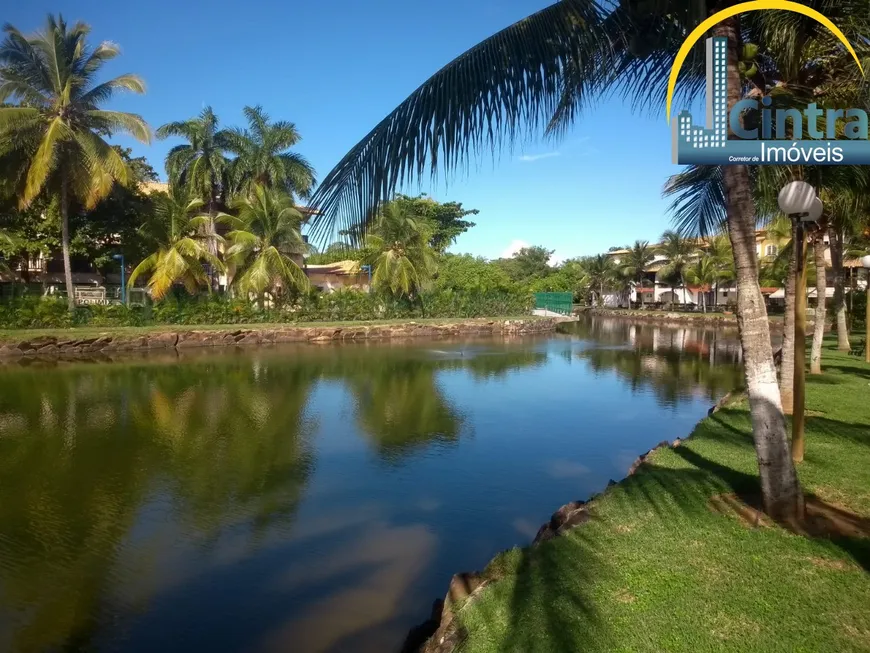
(336, 69)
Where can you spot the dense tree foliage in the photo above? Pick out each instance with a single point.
(52, 140)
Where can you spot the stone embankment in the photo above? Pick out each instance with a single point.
(715, 320)
(184, 339)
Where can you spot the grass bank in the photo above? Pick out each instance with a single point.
(18, 335)
(674, 560)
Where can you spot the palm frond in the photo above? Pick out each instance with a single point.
(105, 91)
(698, 204)
(507, 86)
(43, 160)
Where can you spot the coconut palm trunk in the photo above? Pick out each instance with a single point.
(821, 302)
(839, 307)
(64, 239)
(786, 366)
(779, 484)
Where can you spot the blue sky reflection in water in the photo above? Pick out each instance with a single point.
(312, 498)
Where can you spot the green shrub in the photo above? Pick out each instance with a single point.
(35, 312)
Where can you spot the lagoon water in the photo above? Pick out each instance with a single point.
(312, 498)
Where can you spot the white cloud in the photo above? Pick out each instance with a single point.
(529, 158)
(557, 259)
(513, 248)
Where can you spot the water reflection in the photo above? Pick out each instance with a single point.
(676, 364)
(311, 498)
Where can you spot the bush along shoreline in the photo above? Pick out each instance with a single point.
(339, 306)
(684, 532)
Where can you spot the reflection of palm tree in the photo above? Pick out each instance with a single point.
(223, 443)
(236, 444)
(673, 372)
(75, 501)
(400, 406)
(231, 444)
(501, 363)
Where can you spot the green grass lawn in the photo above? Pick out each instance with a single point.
(17, 335)
(671, 561)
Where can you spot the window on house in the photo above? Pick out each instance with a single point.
(771, 250)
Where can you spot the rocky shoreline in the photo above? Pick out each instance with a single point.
(442, 633)
(234, 337)
(713, 320)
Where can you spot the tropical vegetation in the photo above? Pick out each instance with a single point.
(178, 232)
(52, 139)
(265, 244)
(58, 171)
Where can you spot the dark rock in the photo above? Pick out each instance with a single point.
(462, 585)
(565, 518)
(162, 340)
(418, 635)
(636, 465)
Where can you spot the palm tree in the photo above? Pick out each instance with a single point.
(263, 157)
(719, 250)
(544, 70)
(201, 165)
(849, 208)
(600, 272)
(263, 242)
(679, 253)
(820, 316)
(180, 251)
(52, 140)
(398, 251)
(704, 272)
(635, 263)
(7, 243)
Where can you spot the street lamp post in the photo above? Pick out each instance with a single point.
(865, 262)
(120, 257)
(799, 202)
(368, 268)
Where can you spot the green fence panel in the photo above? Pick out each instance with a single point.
(557, 302)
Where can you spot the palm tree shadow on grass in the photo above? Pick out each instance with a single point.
(551, 586)
(856, 371)
(843, 528)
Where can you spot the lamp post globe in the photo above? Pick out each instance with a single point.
(815, 211)
(865, 262)
(796, 197)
